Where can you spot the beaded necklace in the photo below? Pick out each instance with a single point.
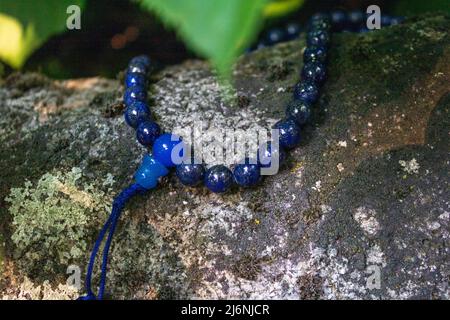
(219, 178)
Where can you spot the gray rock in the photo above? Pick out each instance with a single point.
(360, 210)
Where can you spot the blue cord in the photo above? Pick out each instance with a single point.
(118, 205)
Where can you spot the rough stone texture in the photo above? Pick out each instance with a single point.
(367, 190)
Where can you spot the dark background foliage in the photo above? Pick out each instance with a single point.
(114, 31)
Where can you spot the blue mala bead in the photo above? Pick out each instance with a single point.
(356, 19)
(315, 54)
(338, 20)
(190, 173)
(299, 111)
(247, 174)
(133, 94)
(321, 16)
(147, 132)
(319, 21)
(293, 30)
(385, 20)
(397, 20)
(289, 133)
(137, 67)
(306, 91)
(268, 151)
(142, 59)
(314, 72)
(137, 112)
(135, 79)
(149, 172)
(274, 36)
(318, 38)
(169, 150)
(218, 179)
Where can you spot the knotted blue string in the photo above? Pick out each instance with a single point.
(110, 225)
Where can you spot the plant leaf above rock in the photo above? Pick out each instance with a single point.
(26, 25)
(219, 30)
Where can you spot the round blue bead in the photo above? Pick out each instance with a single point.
(314, 72)
(137, 67)
(190, 174)
(319, 21)
(218, 179)
(147, 132)
(338, 20)
(306, 91)
(318, 38)
(289, 133)
(168, 149)
(142, 59)
(267, 151)
(356, 19)
(262, 44)
(385, 20)
(274, 36)
(136, 113)
(397, 20)
(133, 94)
(135, 79)
(247, 174)
(321, 16)
(363, 30)
(293, 30)
(315, 54)
(299, 111)
(149, 172)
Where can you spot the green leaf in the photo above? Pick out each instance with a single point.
(277, 8)
(26, 24)
(219, 30)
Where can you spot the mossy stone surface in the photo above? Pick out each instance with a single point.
(364, 198)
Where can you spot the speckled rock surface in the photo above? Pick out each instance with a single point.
(360, 210)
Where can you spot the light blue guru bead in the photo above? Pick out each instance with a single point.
(168, 149)
(149, 172)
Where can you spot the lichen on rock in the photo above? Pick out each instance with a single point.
(52, 220)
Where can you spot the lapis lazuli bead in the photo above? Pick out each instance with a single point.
(137, 112)
(169, 149)
(318, 38)
(247, 174)
(338, 20)
(314, 72)
(356, 19)
(293, 30)
(299, 111)
(306, 91)
(262, 44)
(319, 21)
(149, 172)
(268, 151)
(274, 36)
(385, 20)
(142, 59)
(137, 67)
(147, 132)
(218, 179)
(397, 20)
(133, 94)
(190, 173)
(321, 16)
(289, 133)
(315, 54)
(363, 29)
(135, 79)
